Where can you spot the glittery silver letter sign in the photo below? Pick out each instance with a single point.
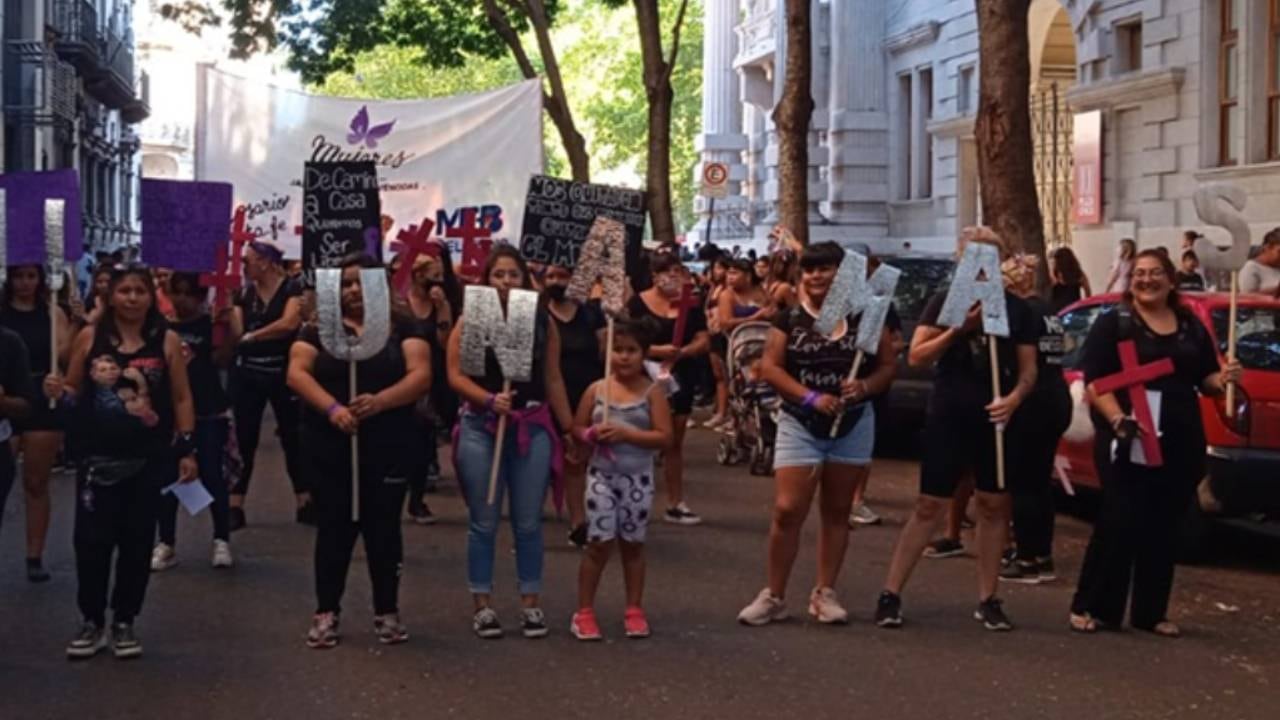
(4, 236)
(377, 314)
(968, 288)
(881, 286)
(1229, 217)
(852, 294)
(55, 241)
(842, 298)
(511, 338)
(602, 257)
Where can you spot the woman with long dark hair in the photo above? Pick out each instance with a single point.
(266, 317)
(781, 284)
(1122, 266)
(380, 415)
(717, 276)
(532, 451)
(26, 310)
(678, 358)
(1069, 281)
(825, 436)
(131, 419)
(1134, 539)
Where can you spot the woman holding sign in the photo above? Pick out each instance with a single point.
(810, 370)
(1144, 497)
(960, 432)
(677, 360)
(131, 418)
(381, 417)
(531, 449)
(25, 310)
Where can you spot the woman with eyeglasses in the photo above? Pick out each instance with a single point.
(265, 318)
(131, 420)
(26, 311)
(1135, 538)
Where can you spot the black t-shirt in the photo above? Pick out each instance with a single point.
(1060, 296)
(535, 390)
(1051, 345)
(686, 370)
(962, 383)
(268, 356)
(580, 360)
(125, 407)
(1194, 358)
(207, 393)
(15, 373)
(1189, 281)
(389, 430)
(820, 363)
(33, 327)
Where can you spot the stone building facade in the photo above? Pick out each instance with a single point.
(1185, 92)
(72, 96)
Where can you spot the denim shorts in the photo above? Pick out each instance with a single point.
(797, 447)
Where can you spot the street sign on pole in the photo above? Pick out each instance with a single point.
(715, 180)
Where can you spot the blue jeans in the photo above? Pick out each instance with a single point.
(526, 477)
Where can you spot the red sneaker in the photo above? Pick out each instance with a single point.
(584, 625)
(635, 623)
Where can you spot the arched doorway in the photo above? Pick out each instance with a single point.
(1053, 73)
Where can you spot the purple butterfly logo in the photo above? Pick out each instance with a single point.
(362, 133)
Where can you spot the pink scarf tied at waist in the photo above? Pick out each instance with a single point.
(520, 421)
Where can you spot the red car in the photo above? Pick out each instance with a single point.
(1244, 451)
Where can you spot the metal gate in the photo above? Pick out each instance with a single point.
(1051, 122)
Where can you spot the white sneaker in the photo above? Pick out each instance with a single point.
(825, 608)
(863, 515)
(163, 557)
(222, 554)
(763, 610)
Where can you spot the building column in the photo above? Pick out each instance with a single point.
(858, 171)
(721, 139)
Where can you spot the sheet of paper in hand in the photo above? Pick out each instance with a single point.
(603, 258)
(376, 299)
(510, 334)
(558, 216)
(184, 223)
(853, 294)
(341, 213)
(977, 280)
(25, 218)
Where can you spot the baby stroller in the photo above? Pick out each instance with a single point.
(752, 402)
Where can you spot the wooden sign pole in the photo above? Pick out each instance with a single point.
(608, 367)
(355, 449)
(995, 393)
(498, 438)
(54, 369)
(853, 375)
(1231, 339)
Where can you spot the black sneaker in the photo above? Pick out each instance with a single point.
(1026, 572)
(36, 572)
(1045, 567)
(681, 515)
(91, 638)
(420, 511)
(235, 519)
(578, 536)
(533, 624)
(944, 548)
(124, 644)
(889, 610)
(305, 514)
(433, 477)
(1009, 556)
(486, 624)
(990, 613)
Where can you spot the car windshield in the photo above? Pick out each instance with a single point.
(1075, 327)
(1257, 336)
(921, 277)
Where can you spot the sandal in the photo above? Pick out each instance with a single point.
(1083, 623)
(1164, 628)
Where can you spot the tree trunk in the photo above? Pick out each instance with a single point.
(792, 117)
(661, 96)
(1010, 205)
(554, 101)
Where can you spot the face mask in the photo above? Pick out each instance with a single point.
(556, 292)
(669, 286)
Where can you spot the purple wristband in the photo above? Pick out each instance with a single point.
(811, 398)
(489, 402)
(335, 407)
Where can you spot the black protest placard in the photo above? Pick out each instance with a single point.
(558, 215)
(341, 213)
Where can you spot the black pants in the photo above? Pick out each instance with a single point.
(381, 498)
(1135, 541)
(250, 393)
(426, 454)
(211, 439)
(117, 521)
(1033, 442)
(7, 472)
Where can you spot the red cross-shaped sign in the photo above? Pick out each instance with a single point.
(687, 300)
(476, 242)
(1133, 377)
(410, 243)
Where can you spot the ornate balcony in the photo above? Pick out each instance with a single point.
(757, 39)
(40, 89)
(78, 38)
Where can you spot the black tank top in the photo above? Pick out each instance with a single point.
(33, 327)
(266, 356)
(125, 408)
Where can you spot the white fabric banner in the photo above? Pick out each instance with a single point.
(462, 162)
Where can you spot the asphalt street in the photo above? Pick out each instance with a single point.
(229, 644)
